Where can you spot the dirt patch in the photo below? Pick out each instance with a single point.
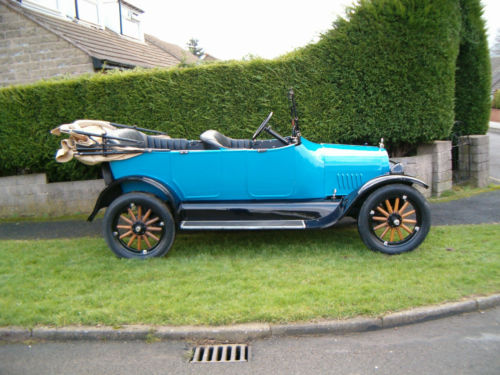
(495, 115)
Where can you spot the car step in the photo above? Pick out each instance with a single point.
(242, 224)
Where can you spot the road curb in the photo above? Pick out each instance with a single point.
(251, 331)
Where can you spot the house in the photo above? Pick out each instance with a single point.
(48, 38)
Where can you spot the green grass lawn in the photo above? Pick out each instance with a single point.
(228, 277)
(462, 191)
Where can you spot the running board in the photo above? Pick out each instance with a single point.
(242, 224)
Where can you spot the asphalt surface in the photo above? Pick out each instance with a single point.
(479, 209)
(464, 344)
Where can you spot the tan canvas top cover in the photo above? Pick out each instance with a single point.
(68, 146)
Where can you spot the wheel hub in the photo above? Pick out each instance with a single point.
(139, 228)
(394, 220)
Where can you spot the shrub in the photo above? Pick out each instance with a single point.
(387, 70)
(473, 75)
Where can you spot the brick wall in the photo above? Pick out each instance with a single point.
(28, 52)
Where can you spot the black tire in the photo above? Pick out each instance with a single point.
(139, 225)
(394, 219)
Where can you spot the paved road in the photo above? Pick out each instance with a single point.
(466, 344)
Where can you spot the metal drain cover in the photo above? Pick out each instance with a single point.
(220, 353)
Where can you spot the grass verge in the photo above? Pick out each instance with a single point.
(224, 278)
(462, 191)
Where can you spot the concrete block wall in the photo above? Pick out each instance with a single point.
(419, 166)
(31, 195)
(442, 174)
(474, 159)
(432, 164)
(28, 52)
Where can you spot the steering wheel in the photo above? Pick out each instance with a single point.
(262, 126)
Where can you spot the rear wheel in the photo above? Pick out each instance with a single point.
(138, 225)
(394, 219)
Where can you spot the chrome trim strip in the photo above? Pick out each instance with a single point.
(243, 224)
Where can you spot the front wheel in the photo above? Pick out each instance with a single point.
(394, 219)
(138, 225)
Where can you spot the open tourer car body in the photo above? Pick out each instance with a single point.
(157, 185)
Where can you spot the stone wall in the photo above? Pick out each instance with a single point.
(31, 195)
(432, 164)
(474, 159)
(28, 52)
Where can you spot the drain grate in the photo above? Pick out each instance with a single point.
(220, 353)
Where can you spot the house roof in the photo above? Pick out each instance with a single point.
(174, 50)
(102, 44)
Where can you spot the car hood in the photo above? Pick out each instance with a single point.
(348, 167)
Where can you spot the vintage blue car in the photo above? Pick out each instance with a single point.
(157, 185)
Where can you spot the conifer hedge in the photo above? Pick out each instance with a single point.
(387, 70)
(473, 74)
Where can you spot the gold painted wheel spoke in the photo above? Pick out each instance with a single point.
(391, 239)
(382, 211)
(148, 212)
(152, 221)
(408, 214)
(380, 226)
(154, 229)
(132, 240)
(403, 208)
(384, 232)
(151, 235)
(139, 243)
(379, 218)
(388, 205)
(406, 229)
(126, 219)
(147, 241)
(410, 221)
(124, 226)
(125, 235)
(400, 235)
(139, 213)
(396, 205)
(132, 215)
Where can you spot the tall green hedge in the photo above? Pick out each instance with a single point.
(473, 74)
(386, 70)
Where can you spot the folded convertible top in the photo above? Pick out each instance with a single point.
(93, 142)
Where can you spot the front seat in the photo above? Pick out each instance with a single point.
(215, 140)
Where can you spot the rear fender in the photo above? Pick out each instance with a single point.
(354, 200)
(134, 183)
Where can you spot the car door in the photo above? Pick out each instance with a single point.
(271, 173)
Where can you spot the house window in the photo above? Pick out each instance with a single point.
(100, 12)
(54, 7)
(88, 10)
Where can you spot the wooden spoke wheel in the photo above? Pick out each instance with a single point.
(394, 219)
(138, 225)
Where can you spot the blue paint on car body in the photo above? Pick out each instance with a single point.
(305, 171)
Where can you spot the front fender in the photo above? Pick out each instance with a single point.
(114, 190)
(354, 200)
